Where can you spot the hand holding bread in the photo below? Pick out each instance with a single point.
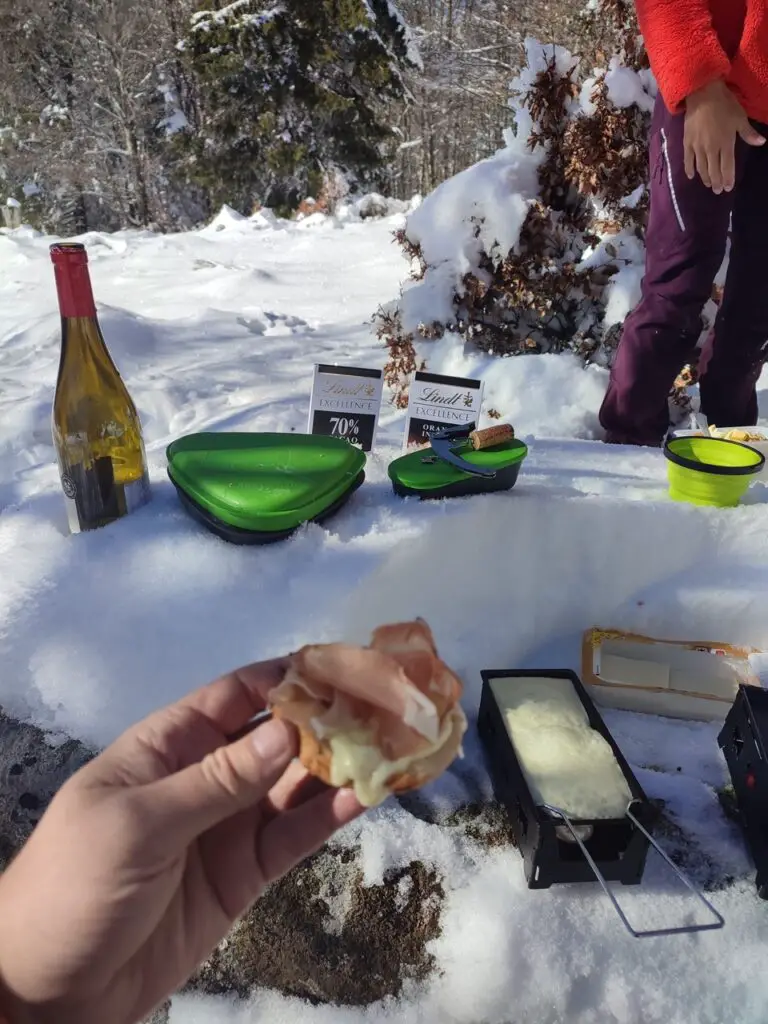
(380, 719)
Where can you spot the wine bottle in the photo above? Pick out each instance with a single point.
(96, 428)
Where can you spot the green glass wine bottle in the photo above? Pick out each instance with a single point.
(96, 428)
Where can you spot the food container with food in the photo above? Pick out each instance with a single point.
(754, 437)
(576, 810)
(531, 767)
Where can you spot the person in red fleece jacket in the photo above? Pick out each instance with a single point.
(709, 170)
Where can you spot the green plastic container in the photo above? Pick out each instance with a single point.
(710, 470)
(423, 474)
(252, 488)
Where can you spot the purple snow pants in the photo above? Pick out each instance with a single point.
(686, 241)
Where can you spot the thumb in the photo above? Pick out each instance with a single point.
(750, 135)
(231, 779)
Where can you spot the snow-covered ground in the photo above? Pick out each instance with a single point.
(219, 329)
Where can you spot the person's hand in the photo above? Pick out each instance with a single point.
(149, 854)
(714, 118)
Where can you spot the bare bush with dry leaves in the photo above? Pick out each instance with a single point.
(540, 297)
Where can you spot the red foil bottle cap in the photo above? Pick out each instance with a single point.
(69, 252)
(73, 281)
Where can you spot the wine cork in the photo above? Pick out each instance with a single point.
(491, 436)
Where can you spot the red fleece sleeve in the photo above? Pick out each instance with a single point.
(683, 47)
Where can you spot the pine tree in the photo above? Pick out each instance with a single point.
(292, 94)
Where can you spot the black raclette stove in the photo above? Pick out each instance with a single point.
(554, 848)
(617, 846)
(744, 742)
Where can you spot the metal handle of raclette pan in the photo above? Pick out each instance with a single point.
(444, 442)
(654, 932)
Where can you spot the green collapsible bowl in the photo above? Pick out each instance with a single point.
(253, 488)
(710, 470)
(424, 475)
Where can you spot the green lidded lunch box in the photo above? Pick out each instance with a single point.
(460, 461)
(256, 488)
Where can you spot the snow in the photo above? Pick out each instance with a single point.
(374, 205)
(204, 20)
(538, 57)
(219, 329)
(175, 119)
(626, 251)
(481, 210)
(201, 18)
(627, 87)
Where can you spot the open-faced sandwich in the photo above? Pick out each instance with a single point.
(380, 719)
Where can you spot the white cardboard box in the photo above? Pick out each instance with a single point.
(678, 679)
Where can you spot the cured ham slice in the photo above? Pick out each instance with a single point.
(383, 719)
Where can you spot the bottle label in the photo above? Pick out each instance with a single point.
(93, 497)
(70, 502)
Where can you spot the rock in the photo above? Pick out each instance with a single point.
(485, 822)
(320, 934)
(373, 206)
(32, 769)
(687, 853)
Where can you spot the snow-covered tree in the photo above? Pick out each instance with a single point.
(291, 95)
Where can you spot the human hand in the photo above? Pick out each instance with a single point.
(713, 120)
(149, 854)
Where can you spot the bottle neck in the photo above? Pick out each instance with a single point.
(73, 285)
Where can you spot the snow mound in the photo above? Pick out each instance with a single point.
(371, 206)
(627, 87)
(21, 233)
(375, 206)
(265, 219)
(225, 220)
(481, 210)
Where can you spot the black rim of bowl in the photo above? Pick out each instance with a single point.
(707, 467)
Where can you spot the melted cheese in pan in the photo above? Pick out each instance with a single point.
(567, 763)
